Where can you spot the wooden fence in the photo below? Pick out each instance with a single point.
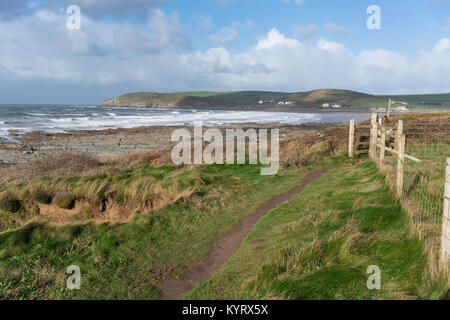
(387, 139)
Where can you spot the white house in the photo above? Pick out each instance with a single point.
(281, 102)
(336, 106)
(326, 105)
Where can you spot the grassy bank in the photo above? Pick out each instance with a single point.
(320, 244)
(316, 246)
(130, 261)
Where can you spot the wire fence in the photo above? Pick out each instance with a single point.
(422, 183)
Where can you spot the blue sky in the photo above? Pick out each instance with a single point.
(406, 24)
(178, 45)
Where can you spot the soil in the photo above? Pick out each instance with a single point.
(224, 246)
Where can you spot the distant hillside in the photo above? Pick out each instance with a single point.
(266, 100)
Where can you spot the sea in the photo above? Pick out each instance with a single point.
(61, 118)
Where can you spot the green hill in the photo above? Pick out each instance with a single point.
(267, 100)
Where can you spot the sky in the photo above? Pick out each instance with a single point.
(126, 46)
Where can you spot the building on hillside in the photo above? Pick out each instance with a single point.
(400, 109)
(326, 105)
(337, 106)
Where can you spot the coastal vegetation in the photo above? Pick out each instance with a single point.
(264, 100)
(131, 260)
(320, 244)
(132, 223)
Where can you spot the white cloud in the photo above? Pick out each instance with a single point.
(297, 2)
(442, 46)
(247, 24)
(203, 21)
(280, 63)
(334, 28)
(39, 48)
(168, 30)
(226, 36)
(121, 8)
(9, 8)
(308, 31)
(447, 25)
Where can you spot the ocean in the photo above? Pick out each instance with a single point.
(52, 118)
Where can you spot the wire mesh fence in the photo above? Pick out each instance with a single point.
(423, 183)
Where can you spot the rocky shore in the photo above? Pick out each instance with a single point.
(37, 145)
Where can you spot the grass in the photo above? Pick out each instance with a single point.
(311, 99)
(200, 94)
(423, 192)
(316, 246)
(65, 200)
(320, 244)
(435, 101)
(130, 261)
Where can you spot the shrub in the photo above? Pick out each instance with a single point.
(9, 203)
(65, 200)
(42, 197)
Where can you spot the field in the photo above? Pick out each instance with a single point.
(300, 100)
(431, 101)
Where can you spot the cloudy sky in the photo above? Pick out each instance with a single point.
(179, 45)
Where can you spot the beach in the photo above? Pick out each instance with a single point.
(35, 132)
(103, 143)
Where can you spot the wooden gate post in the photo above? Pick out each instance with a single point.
(382, 146)
(400, 163)
(373, 137)
(445, 237)
(351, 139)
(399, 133)
(389, 109)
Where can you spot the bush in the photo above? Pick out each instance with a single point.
(9, 203)
(42, 197)
(65, 200)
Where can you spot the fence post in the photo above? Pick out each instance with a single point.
(373, 137)
(445, 237)
(400, 162)
(389, 109)
(383, 145)
(398, 133)
(351, 139)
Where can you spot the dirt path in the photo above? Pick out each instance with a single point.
(224, 246)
